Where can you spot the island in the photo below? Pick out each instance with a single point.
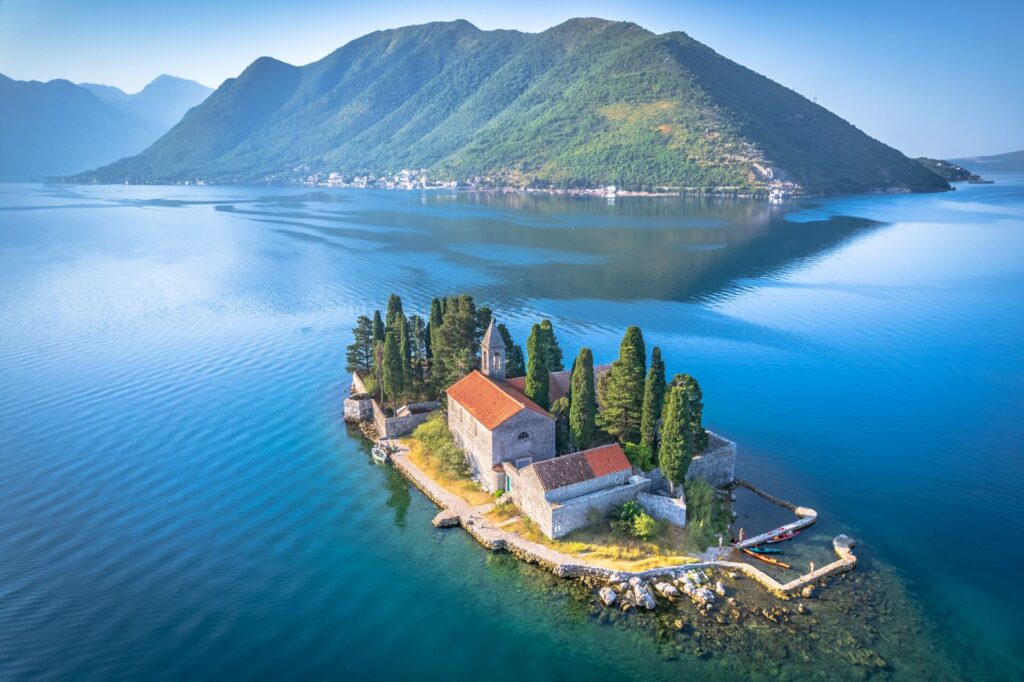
(603, 473)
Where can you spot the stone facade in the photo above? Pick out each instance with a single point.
(358, 410)
(575, 513)
(485, 449)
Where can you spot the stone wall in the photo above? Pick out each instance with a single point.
(671, 509)
(539, 444)
(574, 514)
(357, 384)
(358, 410)
(717, 464)
(396, 427)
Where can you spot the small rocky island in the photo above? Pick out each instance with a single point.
(602, 472)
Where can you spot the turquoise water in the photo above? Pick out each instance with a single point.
(180, 499)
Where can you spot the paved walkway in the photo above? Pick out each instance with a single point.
(456, 511)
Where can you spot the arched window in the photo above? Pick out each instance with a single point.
(523, 435)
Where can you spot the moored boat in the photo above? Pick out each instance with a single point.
(765, 550)
(783, 537)
(380, 453)
(766, 559)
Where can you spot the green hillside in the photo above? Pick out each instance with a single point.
(583, 104)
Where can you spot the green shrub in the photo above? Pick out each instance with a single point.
(438, 443)
(639, 456)
(643, 526)
(706, 516)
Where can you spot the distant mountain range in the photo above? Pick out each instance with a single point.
(58, 128)
(586, 103)
(1010, 162)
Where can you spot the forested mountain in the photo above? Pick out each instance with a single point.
(586, 103)
(58, 128)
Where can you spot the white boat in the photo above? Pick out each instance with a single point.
(380, 453)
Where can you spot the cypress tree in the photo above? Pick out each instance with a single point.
(674, 454)
(553, 352)
(536, 368)
(359, 354)
(515, 365)
(378, 327)
(583, 400)
(623, 397)
(453, 344)
(483, 321)
(395, 312)
(654, 398)
(693, 429)
(433, 324)
(634, 338)
(393, 376)
(563, 438)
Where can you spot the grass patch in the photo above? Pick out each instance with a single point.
(456, 484)
(602, 546)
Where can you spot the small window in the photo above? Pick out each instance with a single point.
(523, 436)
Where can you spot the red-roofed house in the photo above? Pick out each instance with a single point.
(493, 422)
(558, 494)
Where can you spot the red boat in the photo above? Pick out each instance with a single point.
(766, 559)
(789, 535)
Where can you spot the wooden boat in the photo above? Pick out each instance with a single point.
(783, 537)
(766, 559)
(765, 550)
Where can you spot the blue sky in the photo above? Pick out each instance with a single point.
(930, 78)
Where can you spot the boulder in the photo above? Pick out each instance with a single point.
(720, 589)
(667, 590)
(643, 596)
(809, 592)
(608, 596)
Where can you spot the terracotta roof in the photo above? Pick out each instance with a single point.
(558, 382)
(580, 466)
(490, 402)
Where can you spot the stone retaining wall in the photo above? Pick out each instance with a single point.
(717, 464)
(671, 509)
(494, 538)
(574, 514)
(358, 410)
(396, 427)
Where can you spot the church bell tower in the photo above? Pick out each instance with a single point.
(492, 354)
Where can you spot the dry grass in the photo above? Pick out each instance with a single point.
(600, 546)
(463, 487)
(502, 512)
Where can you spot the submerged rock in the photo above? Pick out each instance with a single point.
(809, 592)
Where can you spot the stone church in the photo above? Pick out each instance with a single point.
(494, 422)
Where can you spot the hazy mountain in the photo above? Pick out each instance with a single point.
(58, 128)
(585, 103)
(1011, 161)
(164, 101)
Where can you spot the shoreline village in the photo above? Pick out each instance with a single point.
(600, 472)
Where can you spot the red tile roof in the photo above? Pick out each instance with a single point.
(558, 382)
(490, 402)
(606, 460)
(580, 466)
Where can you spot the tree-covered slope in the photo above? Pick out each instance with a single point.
(585, 103)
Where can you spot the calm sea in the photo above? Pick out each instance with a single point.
(179, 498)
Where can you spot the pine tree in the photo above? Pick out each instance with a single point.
(563, 438)
(393, 376)
(359, 355)
(536, 367)
(654, 399)
(453, 344)
(583, 400)
(553, 350)
(623, 397)
(378, 327)
(515, 365)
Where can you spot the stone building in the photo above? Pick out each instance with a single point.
(558, 494)
(493, 422)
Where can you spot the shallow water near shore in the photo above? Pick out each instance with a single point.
(180, 498)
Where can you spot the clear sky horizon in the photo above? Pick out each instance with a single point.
(929, 78)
